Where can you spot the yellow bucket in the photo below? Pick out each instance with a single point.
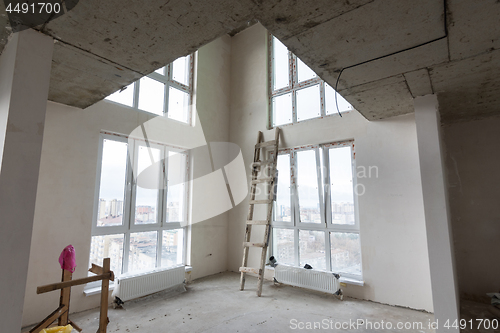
(58, 329)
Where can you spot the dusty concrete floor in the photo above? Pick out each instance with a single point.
(215, 304)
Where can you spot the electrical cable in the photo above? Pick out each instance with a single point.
(393, 53)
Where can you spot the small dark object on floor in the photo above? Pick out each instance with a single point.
(272, 261)
(117, 303)
(307, 266)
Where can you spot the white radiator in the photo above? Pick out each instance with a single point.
(307, 278)
(134, 286)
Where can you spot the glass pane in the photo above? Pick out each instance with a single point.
(312, 249)
(304, 72)
(161, 70)
(180, 70)
(151, 95)
(108, 246)
(177, 169)
(178, 105)
(307, 184)
(281, 66)
(146, 199)
(283, 246)
(331, 107)
(341, 191)
(142, 254)
(112, 187)
(282, 109)
(172, 247)
(308, 103)
(282, 210)
(125, 96)
(346, 253)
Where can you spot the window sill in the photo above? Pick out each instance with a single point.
(352, 281)
(96, 290)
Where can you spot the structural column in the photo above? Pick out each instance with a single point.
(437, 218)
(24, 83)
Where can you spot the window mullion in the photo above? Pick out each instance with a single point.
(322, 98)
(320, 186)
(159, 238)
(355, 186)
(126, 249)
(131, 192)
(328, 251)
(293, 73)
(293, 190)
(165, 186)
(136, 94)
(327, 187)
(98, 184)
(296, 247)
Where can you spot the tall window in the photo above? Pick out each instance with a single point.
(166, 91)
(315, 220)
(297, 93)
(140, 205)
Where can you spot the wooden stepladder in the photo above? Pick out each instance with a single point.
(267, 178)
(104, 274)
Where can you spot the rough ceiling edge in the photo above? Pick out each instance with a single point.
(319, 23)
(6, 30)
(250, 23)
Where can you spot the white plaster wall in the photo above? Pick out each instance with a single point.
(392, 225)
(65, 198)
(473, 165)
(24, 71)
(7, 63)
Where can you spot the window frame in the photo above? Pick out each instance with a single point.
(326, 225)
(293, 86)
(128, 226)
(168, 81)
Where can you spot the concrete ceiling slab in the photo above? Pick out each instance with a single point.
(381, 99)
(468, 89)
(474, 27)
(374, 30)
(5, 29)
(142, 37)
(384, 47)
(127, 41)
(424, 56)
(289, 18)
(419, 82)
(90, 79)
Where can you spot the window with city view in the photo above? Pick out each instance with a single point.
(315, 218)
(166, 91)
(140, 213)
(296, 92)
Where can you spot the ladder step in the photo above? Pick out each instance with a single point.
(250, 270)
(258, 202)
(258, 222)
(265, 144)
(262, 180)
(263, 163)
(250, 244)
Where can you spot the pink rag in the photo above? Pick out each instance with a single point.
(67, 258)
